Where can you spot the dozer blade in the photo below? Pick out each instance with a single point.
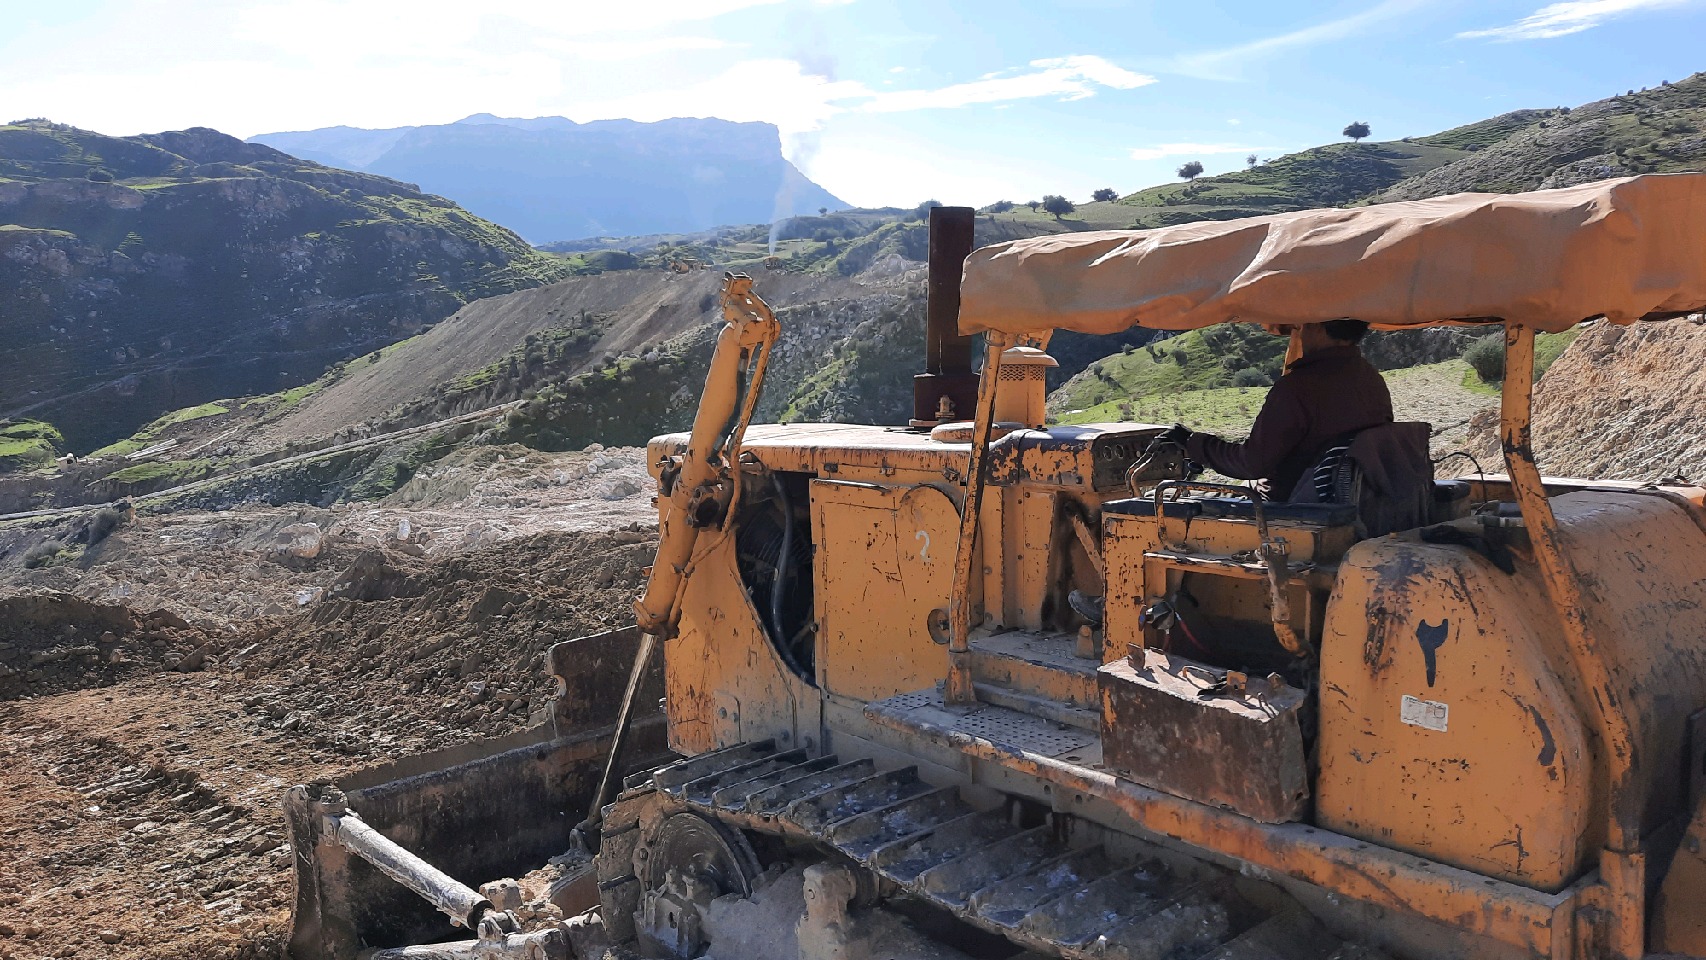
(477, 812)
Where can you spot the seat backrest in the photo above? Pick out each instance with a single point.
(1384, 470)
(1396, 476)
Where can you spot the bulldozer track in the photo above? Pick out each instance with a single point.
(1024, 883)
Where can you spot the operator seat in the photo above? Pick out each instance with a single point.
(1384, 470)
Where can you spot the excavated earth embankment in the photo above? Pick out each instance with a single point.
(157, 696)
(143, 780)
(1622, 403)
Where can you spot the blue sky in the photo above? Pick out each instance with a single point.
(881, 101)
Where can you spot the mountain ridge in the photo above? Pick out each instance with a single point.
(553, 179)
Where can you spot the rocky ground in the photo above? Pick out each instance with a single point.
(1622, 403)
(145, 735)
(220, 569)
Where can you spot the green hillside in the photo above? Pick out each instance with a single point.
(1334, 175)
(27, 444)
(1660, 130)
(141, 274)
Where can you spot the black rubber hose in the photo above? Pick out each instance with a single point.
(779, 586)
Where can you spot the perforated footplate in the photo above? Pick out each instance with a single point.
(1010, 728)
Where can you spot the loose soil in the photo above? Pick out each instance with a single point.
(145, 740)
(221, 569)
(142, 816)
(1621, 403)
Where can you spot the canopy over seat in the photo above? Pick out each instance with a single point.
(1619, 249)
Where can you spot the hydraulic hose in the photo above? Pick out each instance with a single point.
(779, 586)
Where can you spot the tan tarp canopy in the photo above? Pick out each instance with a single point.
(1621, 249)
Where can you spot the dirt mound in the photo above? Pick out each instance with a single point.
(1622, 403)
(455, 648)
(225, 569)
(51, 642)
(142, 819)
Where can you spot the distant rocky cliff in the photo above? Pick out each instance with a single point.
(143, 274)
(553, 179)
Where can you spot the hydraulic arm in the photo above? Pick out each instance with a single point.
(700, 485)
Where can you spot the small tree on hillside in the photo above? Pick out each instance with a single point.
(1356, 131)
(823, 211)
(1104, 194)
(923, 211)
(1058, 205)
(1191, 171)
(1250, 161)
(1034, 204)
(1000, 206)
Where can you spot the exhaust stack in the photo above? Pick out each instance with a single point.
(947, 372)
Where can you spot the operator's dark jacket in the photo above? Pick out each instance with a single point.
(1327, 395)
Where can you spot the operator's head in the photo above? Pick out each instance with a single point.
(1345, 331)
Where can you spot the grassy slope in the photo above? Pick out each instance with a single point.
(25, 444)
(1660, 130)
(1436, 393)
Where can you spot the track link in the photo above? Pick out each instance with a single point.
(1025, 884)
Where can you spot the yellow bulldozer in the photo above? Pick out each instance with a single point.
(858, 715)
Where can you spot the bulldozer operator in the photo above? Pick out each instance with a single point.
(1326, 397)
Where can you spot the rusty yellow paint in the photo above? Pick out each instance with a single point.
(749, 331)
(1445, 728)
(723, 682)
(1514, 786)
(885, 562)
(1530, 920)
(1679, 910)
(1027, 539)
(966, 560)
(1148, 558)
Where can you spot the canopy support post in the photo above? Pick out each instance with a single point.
(1622, 866)
(959, 686)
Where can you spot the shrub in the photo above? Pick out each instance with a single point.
(1487, 357)
(1180, 357)
(98, 175)
(1105, 194)
(1251, 377)
(42, 553)
(103, 523)
(1191, 170)
(1000, 206)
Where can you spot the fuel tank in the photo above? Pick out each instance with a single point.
(1454, 724)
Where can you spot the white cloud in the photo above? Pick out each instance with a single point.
(1068, 78)
(1563, 19)
(1224, 64)
(261, 65)
(799, 101)
(1188, 149)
